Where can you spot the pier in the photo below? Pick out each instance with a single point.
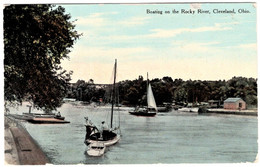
(20, 147)
(47, 121)
(40, 119)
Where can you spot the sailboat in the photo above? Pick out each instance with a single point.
(107, 137)
(151, 108)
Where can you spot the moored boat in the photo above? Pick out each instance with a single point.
(142, 112)
(151, 109)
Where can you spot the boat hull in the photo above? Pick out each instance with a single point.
(146, 114)
(106, 142)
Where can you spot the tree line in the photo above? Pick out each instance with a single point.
(167, 90)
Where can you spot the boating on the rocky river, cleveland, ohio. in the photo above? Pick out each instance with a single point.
(120, 83)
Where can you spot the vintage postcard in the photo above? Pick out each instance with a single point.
(130, 83)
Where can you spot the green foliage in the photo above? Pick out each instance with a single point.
(86, 91)
(168, 90)
(36, 39)
(202, 91)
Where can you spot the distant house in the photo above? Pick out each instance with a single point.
(234, 104)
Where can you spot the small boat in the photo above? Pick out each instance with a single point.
(96, 149)
(151, 108)
(106, 136)
(59, 117)
(166, 107)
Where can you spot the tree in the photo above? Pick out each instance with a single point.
(36, 39)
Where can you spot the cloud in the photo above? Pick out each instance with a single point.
(251, 46)
(83, 53)
(163, 33)
(133, 21)
(90, 21)
(94, 35)
(103, 14)
(194, 48)
(183, 59)
(226, 24)
(95, 19)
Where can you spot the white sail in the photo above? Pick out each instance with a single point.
(150, 98)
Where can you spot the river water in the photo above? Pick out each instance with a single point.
(168, 138)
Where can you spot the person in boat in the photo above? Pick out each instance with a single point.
(102, 129)
(90, 128)
(136, 108)
(88, 122)
(58, 114)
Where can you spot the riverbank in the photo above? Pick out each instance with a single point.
(203, 110)
(234, 112)
(20, 147)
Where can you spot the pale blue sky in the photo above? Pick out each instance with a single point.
(199, 46)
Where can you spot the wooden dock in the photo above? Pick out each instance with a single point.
(39, 120)
(47, 121)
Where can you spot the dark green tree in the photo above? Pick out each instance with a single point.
(36, 39)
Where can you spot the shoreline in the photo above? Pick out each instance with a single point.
(233, 112)
(20, 147)
(205, 110)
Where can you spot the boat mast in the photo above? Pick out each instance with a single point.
(113, 95)
(147, 81)
(147, 86)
